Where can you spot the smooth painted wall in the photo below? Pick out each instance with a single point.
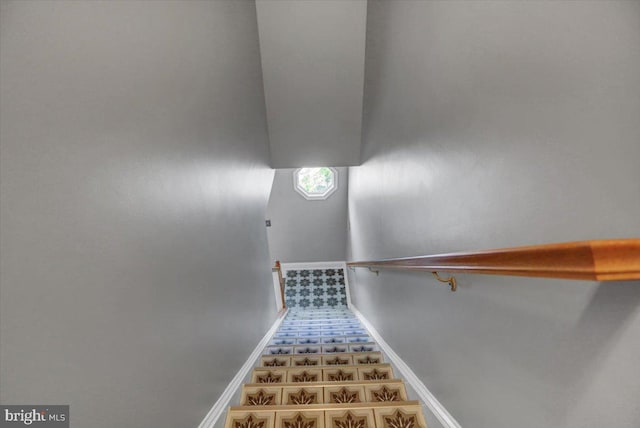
(303, 230)
(313, 66)
(134, 260)
(495, 124)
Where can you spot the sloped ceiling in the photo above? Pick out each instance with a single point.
(313, 71)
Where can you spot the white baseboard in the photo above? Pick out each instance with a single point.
(410, 377)
(223, 402)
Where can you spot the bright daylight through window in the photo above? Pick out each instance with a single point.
(315, 183)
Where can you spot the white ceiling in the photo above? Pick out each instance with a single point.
(313, 70)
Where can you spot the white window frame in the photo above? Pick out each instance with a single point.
(318, 197)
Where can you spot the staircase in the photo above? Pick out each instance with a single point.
(322, 369)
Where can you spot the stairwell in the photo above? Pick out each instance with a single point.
(321, 368)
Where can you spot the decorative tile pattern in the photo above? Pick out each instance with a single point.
(261, 398)
(250, 422)
(305, 377)
(308, 350)
(334, 349)
(386, 394)
(363, 348)
(337, 361)
(275, 362)
(303, 396)
(400, 417)
(268, 377)
(267, 395)
(280, 351)
(345, 395)
(322, 370)
(376, 374)
(299, 421)
(340, 375)
(400, 420)
(315, 289)
(306, 362)
(368, 359)
(309, 341)
(350, 419)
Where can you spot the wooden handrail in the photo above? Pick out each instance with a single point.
(600, 260)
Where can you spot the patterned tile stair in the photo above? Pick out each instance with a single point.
(322, 370)
(312, 289)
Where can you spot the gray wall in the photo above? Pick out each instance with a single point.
(313, 65)
(492, 124)
(307, 231)
(135, 267)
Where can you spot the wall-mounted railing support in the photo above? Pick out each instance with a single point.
(377, 272)
(453, 284)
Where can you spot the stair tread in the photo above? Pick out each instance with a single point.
(326, 383)
(326, 406)
(365, 403)
(325, 367)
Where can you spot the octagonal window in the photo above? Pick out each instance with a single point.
(315, 183)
